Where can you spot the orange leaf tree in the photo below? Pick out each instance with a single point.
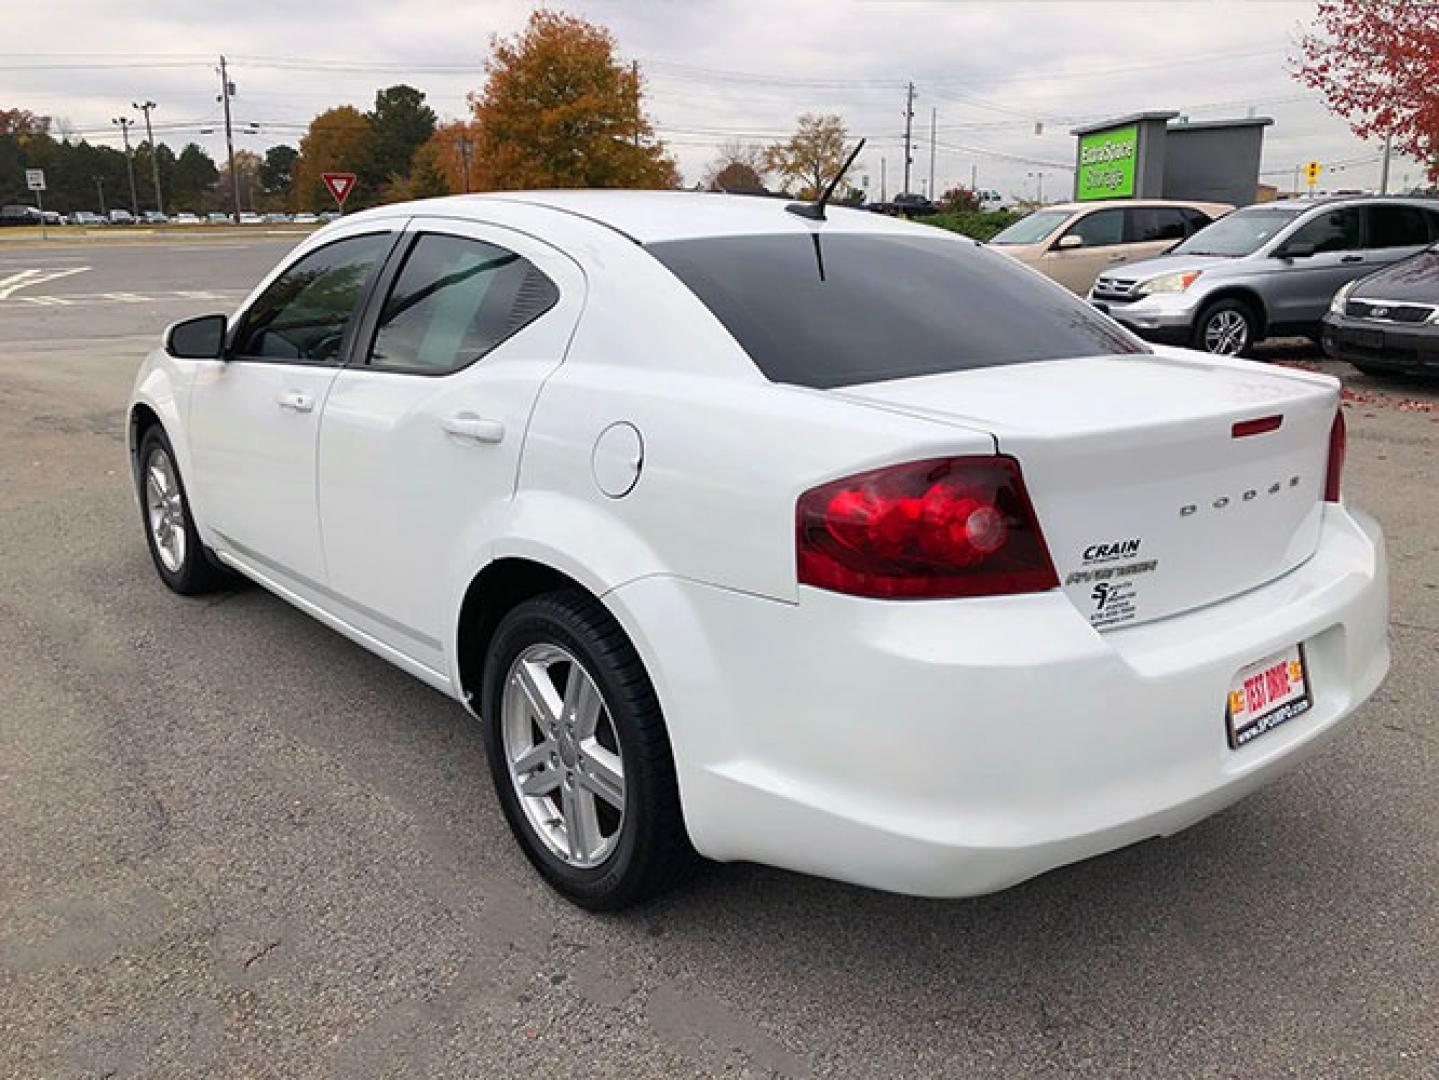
(558, 110)
(339, 140)
(1377, 64)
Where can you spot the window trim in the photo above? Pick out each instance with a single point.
(362, 302)
(368, 327)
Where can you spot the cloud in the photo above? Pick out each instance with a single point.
(715, 70)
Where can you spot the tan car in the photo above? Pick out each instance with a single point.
(1074, 243)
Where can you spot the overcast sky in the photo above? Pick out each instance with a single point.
(716, 69)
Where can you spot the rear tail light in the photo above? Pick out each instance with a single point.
(946, 527)
(1338, 444)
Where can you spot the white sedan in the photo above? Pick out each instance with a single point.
(841, 544)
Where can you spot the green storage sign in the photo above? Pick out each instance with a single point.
(1106, 163)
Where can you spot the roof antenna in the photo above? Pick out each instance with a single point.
(815, 210)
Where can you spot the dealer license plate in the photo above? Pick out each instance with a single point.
(1266, 694)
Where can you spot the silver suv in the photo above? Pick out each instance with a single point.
(1268, 270)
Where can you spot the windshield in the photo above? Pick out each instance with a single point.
(1242, 233)
(835, 310)
(1034, 228)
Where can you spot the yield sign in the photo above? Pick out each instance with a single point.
(340, 184)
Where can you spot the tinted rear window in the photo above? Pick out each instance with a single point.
(824, 311)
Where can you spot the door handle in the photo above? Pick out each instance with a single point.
(474, 428)
(1352, 259)
(1116, 258)
(294, 399)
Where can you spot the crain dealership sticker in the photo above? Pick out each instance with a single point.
(1115, 595)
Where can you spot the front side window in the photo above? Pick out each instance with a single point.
(846, 308)
(455, 300)
(1099, 229)
(304, 313)
(1332, 230)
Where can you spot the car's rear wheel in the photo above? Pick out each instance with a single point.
(1226, 328)
(580, 755)
(175, 547)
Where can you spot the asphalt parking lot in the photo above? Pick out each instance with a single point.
(235, 843)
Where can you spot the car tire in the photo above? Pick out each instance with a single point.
(1371, 369)
(1226, 328)
(554, 761)
(181, 559)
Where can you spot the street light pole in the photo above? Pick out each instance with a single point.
(465, 161)
(100, 190)
(154, 155)
(908, 131)
(125, 125)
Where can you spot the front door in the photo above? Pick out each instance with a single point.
(421, 436)
(1300, 288)
(1101, 235)
(254, 417)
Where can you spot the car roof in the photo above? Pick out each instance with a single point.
(1300, 205)
(649, 217)
(1102, 204)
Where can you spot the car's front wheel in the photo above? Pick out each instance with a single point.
(579, 753)
(1227, 328)
(179, 556)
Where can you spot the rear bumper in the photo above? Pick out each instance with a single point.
(956, 748)
(1402, 349)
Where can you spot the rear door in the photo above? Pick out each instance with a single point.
(1150, 231)
(254, 416)
(422, 432)
(1298, 290)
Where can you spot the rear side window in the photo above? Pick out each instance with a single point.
(1150, 224)
(304, 313)
(835, 310)
(1397, 226)
(455, 300)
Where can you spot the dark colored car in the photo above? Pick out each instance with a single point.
(19, 215)
(906, 204)
(1389, 321)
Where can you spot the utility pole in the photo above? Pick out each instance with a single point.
(635, 87)
(883, 166)
(125, 125)
(973, 177)
(933, 117)
(908, 132)
(100, 190)
(465, 161)
(1384, 168)
(154, 157)
(227, 91)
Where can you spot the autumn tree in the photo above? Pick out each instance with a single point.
(447, 159)
(338, 140)
(813, 155)
(22, 122)
(247, 169)
(558, 110)
(738, 166)
(1377, 65)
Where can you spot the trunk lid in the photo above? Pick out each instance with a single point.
(1148, 501)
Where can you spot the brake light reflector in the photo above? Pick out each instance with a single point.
(1243, 428)
(947, 527)
(1338, 445)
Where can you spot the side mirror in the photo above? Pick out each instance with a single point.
(1069, 243)
(200, 338)
(1295, 251)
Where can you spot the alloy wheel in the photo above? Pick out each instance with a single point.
(165, 510)
(1226, 333)
(563, 755)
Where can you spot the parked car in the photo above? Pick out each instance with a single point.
(19, 215)
(907, 204)
(328, 216)
(990, 199)
(276, 218)
(87, 219)
(52, 217)
(185, 218)
(121, 217)
(305, 219)
(154, 217)
(1388, 323)
(846, 545)
(1073, 243)
(249, 217)
(1268, 270)
(216, 217)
